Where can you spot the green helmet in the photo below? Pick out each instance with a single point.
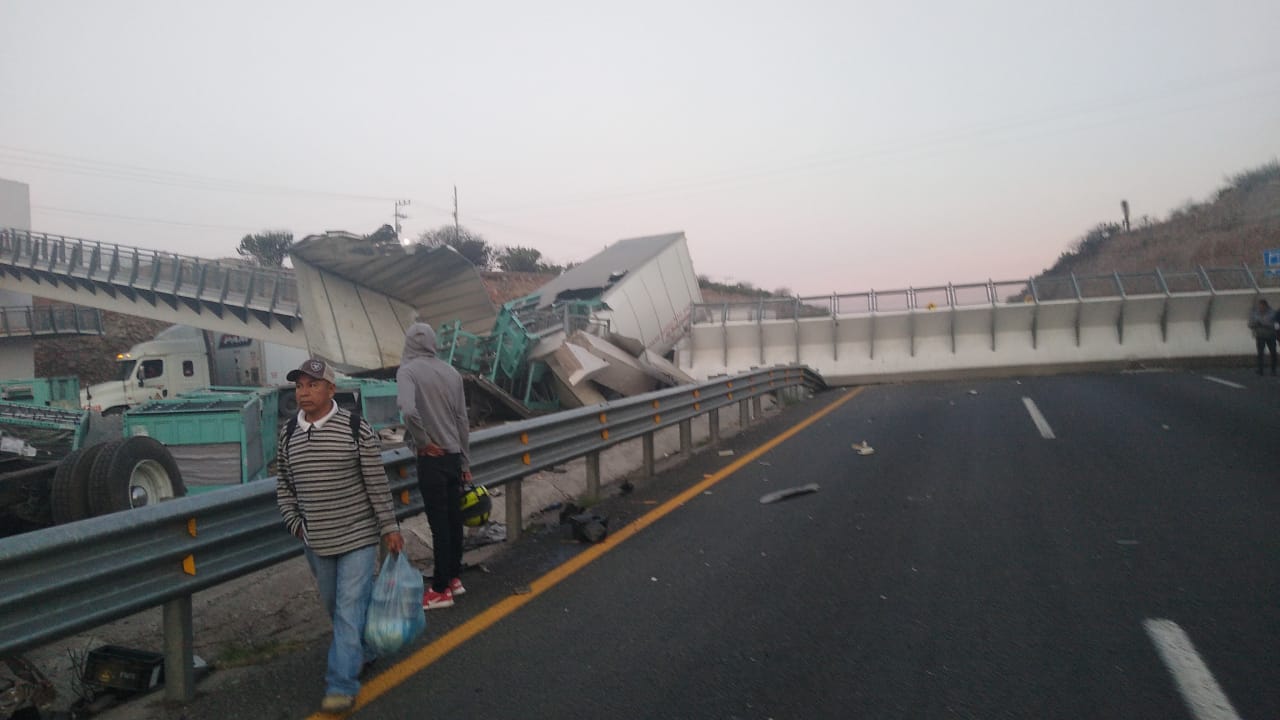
(476, 505)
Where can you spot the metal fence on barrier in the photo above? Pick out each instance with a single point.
(1032, 290)
(50, 320)
(62, 580)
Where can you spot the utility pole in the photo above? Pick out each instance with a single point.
(457, 230)
(400, 216)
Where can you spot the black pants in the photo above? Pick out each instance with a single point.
(1269, 344)
(440, 482)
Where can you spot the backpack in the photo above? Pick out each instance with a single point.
(291, 426)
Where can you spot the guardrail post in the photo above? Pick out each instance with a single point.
(686, 437)
(515, 509)
(593, 475)
(179, 676)
(744, 414)
(646, 443)
(757, 407)
(713, 427)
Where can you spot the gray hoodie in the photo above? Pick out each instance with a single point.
(1263, 322)
(431, 397)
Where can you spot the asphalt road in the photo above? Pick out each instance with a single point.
(970, 568)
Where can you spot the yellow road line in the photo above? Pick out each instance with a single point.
(397, 674)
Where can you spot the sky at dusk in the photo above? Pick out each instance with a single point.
(816, 146)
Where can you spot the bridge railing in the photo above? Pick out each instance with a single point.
(151, 272)
(62, 580)
(1063, 320)
(47, 320)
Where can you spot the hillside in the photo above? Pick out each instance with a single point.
(1235, 226)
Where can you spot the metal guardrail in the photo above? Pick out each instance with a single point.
(62, 580)
(270, 294)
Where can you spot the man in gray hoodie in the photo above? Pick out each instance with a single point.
(431, 398)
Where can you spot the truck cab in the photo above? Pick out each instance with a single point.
(176, 361)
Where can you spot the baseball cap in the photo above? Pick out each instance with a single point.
(316, 368)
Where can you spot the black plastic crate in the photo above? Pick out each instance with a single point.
(124, 668)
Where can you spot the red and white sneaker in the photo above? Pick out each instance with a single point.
(432, 600)
(455, 587)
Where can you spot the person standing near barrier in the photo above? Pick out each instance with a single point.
(332, 491)
(1263, 323)
(434, 406)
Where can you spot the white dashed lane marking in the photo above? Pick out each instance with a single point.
(1041, 424)
(1201, 693)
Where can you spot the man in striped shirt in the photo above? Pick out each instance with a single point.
(332, 491)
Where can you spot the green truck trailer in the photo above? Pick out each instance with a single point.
(60, 465)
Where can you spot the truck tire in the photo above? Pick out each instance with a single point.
(133, 473)
(69, 490)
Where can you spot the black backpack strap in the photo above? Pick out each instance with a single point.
(355, 428)
(289, 428)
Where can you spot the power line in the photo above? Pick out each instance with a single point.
(134, 173)
(824, 160)
(134, 218)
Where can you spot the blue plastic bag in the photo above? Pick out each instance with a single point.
(395, 615)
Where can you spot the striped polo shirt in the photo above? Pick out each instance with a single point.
(330, 492)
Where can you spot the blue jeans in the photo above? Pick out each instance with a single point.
(346, 583)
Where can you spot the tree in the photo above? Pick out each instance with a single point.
(385, 235)
(268, 248)
(521, 259)
(473, 247)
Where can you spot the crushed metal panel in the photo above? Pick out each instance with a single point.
(665, 370)
(623, 374)
(647, 285)
(357, 296)
(659, 294)
(571, 395)
(580, 363)
(597, 273)
(353, 327)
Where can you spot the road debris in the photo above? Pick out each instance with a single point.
(589, 528)
(863, 448)
(774, 497)
(725, 453)
(973, 392)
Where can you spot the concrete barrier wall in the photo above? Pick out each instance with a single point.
(1007, 336)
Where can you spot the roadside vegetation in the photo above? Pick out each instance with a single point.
(1234, 226)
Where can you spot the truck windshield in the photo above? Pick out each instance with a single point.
(126, 369)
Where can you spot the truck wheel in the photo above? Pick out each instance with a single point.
(133, 473)
(69, 491)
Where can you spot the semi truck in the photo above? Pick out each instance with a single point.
(182, 358)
